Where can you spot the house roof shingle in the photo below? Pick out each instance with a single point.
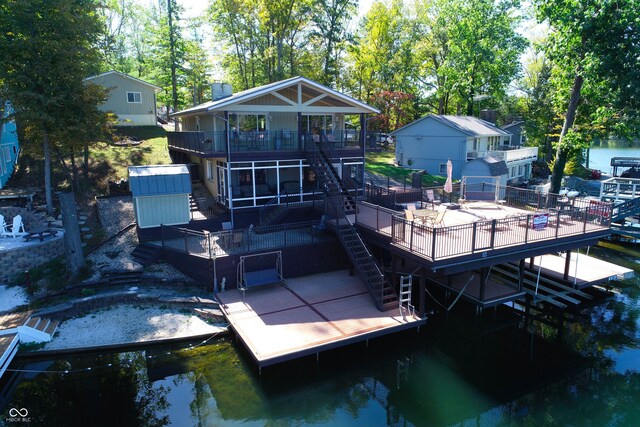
(468, 125)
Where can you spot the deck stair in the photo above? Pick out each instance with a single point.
(328, 177)
(124, 277)
(622, 211)
(546, 289)
(29, 328)
(146, 254)
(382, 292)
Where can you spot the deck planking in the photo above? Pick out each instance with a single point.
(309, 315)
(584, 270)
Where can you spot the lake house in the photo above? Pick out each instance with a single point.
(131, 99)
(252, 147)
(9, 145)
(429, 142)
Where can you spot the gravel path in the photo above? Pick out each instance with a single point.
(127, 324)
(11, 297)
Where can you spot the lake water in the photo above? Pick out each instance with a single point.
(601, 153)
(457, 371)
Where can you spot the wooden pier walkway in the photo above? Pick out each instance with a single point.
(308, 315)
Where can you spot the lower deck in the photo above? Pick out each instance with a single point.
(308, 315)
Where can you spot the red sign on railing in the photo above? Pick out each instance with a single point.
(598, 208)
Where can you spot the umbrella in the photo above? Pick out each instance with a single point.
(448, 186)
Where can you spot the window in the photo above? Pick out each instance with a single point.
(210, 170)
(134, 97)
(443, 168)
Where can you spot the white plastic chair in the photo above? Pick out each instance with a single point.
(3, 226)
(18, 228)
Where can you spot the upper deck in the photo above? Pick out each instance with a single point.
(483, 233)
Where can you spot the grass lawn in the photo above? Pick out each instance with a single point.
(110, 162)
(382, 163)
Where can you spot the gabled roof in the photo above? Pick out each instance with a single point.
(512, 124)
(255, 92)
(468, 125)
(156, 180)
(156, 88)
(496, 166)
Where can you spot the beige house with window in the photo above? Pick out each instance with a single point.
(131, 99)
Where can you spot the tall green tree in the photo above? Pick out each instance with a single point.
(47, 49)
(595, 46)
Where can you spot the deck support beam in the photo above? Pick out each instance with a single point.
(484, 276)
(521, 268)
(567, 264)
(423, 285)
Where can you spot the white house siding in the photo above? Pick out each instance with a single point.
(429, 144)
(139, 114)
(153, 211)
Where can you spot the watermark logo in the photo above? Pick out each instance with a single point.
(18, 415)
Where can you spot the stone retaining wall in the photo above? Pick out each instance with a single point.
(17, 260)
(30, 219)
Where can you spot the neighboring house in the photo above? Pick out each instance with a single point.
(430, 141)
(132, 100)
(516, 129)
(9, 146)
(252, 146)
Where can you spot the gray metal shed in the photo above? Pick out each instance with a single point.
(160, 194)
(487, 166)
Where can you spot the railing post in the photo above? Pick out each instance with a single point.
(411, 238)
(526, 229)
(586, 215)
(186, 244)
(162, 234)
(378, 218)
(493, 233)
(433, 244)
(557, 224)
(474, 230)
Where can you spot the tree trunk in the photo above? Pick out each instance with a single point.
(74, 172)
(85, 165)
(73, 243)
(562, 154)
(172, 49)
(47, 173)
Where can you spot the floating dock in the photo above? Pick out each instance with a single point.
(309, 315)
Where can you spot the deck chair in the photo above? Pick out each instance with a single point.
(431, 198)
(237, 239)
(4, 229)
(18, 228)
(438, 220)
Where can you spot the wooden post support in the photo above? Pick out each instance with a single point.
(520, 274)
(567, 264)
(484, 275)
(423, 284)
(75, 256)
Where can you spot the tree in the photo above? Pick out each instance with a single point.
(595, 46)
(47, 49)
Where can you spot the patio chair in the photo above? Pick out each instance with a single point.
(3, 226)
(18, 228)
(438, 220)
(431, 198)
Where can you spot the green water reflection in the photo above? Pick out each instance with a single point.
(456, 372)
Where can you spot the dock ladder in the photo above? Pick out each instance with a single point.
(406, 284)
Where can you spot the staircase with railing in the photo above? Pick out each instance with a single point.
(622, 211)
(327, 176)
(366, 266)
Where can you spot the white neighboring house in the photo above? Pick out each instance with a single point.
(429, 142)
(131, 99)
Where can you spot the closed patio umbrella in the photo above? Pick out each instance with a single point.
(448, 185)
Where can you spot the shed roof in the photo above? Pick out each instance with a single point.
(467, 125)
(224, 103)
(157, 180)
(496, 166)
(512, 124)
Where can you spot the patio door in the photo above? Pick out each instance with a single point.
(222, 188)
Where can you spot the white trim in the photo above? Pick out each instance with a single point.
(283, 98)
(317, 98)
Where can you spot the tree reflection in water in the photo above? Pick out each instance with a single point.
(459, 371)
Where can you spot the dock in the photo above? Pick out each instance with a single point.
(309, 315)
